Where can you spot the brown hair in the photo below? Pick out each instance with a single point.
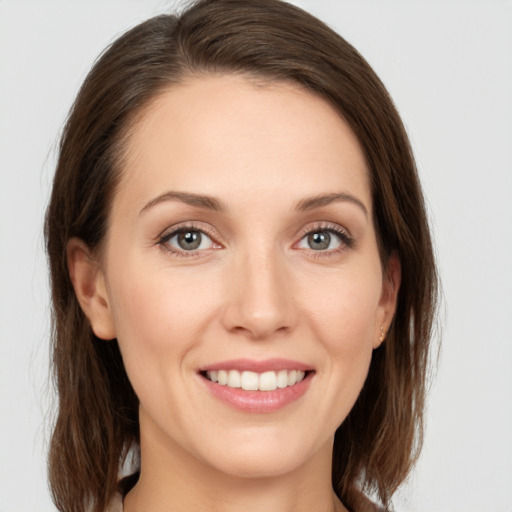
(268, 40)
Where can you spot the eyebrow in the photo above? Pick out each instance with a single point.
(323, 200)
(202, 201)
(214, 204)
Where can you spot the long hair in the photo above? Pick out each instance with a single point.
(271, 41)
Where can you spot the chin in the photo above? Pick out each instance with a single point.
(264, 457)
(259, 467)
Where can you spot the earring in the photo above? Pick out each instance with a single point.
(382, 336)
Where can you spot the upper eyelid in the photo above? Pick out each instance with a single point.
(199, 226)
(325, 226)
(171, 231)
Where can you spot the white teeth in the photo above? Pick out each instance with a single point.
(282, 379)
(268, 381)
(252, 381)
(223, 377)
(234, 379)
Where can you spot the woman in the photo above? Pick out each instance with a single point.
(242, 271)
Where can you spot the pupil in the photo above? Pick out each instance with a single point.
(319, 240)
(189, 240)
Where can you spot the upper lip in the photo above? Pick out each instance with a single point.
(252, 365)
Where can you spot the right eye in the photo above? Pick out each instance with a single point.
(187, 241)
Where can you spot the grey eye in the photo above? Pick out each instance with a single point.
(319, 240)
(189, 240)
(322, 240)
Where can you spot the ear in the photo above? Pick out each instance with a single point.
(387, 304)
(89, 284)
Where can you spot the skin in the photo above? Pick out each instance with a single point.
(255, 289)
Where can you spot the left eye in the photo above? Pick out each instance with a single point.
(189, 240)
(320, 240)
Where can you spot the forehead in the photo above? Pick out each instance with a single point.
(225, 135)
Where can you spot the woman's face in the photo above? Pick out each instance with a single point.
(241, 249)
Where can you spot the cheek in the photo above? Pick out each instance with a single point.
(157, 325)
(343, 314)
(346, 308)
(158, 313)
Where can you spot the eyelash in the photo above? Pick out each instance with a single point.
(164, 239)
(346, 241)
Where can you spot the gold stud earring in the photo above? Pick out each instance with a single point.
(382, 336)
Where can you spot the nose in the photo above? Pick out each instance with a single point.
(259, 302)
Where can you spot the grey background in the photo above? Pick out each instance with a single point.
(448, 65)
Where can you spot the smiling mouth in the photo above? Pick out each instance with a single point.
(253, 381)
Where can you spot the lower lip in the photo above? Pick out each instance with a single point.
(258, 401)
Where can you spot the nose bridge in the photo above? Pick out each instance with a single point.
(259, 302)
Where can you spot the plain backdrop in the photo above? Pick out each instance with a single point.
(448, 65)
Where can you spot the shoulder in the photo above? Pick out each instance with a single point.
(360, 503)
(124, 486)
(116, 504)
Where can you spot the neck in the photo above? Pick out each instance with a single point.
(173, 479)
